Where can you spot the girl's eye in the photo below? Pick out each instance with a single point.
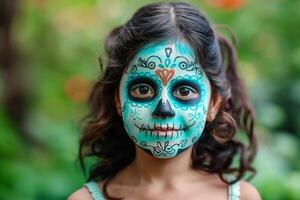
(142, 91)
(186, 93)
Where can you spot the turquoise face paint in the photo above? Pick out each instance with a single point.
(164, 96)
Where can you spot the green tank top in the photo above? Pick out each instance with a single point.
(233, 191)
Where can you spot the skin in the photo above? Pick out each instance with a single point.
(151, 177)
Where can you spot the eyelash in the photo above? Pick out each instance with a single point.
(135, 90)
(184, 92)
(192, 94)
(140, 85)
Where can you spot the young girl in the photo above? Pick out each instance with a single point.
(165, 112)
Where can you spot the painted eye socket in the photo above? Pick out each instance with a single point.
(141, 91)
(185, 93)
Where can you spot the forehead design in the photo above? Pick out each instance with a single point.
(163, 57)
(165, 75)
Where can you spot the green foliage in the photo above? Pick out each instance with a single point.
(59, 43)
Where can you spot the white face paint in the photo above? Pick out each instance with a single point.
(164, 96)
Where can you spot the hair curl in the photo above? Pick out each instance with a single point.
(104, 136)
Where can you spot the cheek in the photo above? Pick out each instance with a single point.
(195, 114)
(137, 114)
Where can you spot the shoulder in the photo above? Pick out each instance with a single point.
(248, 191)
(81, 194)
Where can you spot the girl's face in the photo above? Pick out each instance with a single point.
(164, 96)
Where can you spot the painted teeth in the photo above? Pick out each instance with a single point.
(162, 130)
(165, 134)
(163, 127)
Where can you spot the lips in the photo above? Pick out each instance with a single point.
(163, 130)
(162, 127)
(166, 129)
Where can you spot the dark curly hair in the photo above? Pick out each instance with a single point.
(104, 136)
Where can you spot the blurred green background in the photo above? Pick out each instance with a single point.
(49, 61)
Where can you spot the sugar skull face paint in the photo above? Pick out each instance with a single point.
(164, 96)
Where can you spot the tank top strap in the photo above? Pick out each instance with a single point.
(233, 190)
(93, 188)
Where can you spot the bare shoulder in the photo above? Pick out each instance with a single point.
(248, 191)
(80, 194)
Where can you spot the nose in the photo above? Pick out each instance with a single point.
(163, 110)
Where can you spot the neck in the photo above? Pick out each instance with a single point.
(150, 169)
